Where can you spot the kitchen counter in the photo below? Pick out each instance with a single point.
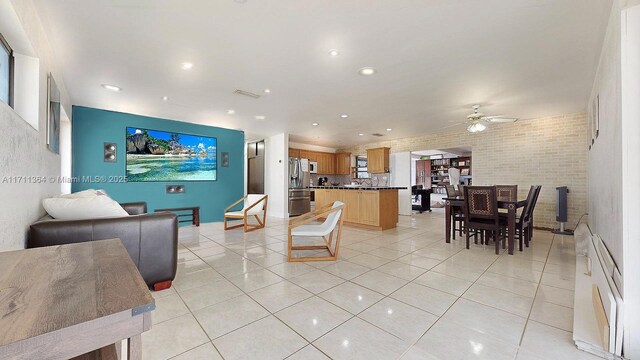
(370, 206)
(343, 187)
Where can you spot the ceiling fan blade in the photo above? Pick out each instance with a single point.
(500, 119)
(453, 125)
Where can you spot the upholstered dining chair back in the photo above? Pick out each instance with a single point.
(528, 208)
(509, 192)
(481, 203)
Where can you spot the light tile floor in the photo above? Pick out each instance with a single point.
(398, 294)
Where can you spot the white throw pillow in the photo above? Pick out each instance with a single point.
(83, 193)
(84, 207)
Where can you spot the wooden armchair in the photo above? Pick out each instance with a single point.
(254, 205)
(300, 227)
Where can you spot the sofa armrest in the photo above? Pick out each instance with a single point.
(135, 208)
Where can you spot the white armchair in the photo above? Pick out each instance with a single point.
(300, 227)
(254, 205)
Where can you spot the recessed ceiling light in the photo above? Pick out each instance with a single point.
(267, 91)
(111, 87)
(165, 98)
(367, 71)
(315, 124)
(231, 111)
(186, 66)
(334, 52)
(344, 116)
(260, 117)
(361, 134)
(389, 129)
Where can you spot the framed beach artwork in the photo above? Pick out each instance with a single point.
(154, 155)
(53, 115)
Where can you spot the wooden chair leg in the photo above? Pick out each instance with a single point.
(496, 239)
(453, 229)
(466, 238)
(521, 239)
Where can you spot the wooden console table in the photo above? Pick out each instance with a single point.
(58, 302)
(193, 214)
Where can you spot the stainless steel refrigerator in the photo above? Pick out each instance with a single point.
(299, 181)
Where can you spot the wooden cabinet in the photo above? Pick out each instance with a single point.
(369, 208)
(321, 198)
(328, 163)
(378, 160)
(343, 163)
(295, 153)
(306, 154)
(351, 199)
(376, 209)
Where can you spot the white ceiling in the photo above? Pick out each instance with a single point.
(520, 58)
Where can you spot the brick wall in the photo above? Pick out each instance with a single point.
(550, 151)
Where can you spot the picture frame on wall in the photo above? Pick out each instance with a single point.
(53, 115)
(589, 132)
(596, 115)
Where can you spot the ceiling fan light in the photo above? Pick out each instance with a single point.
(476, 127)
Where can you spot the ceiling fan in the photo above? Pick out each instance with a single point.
(478, 121)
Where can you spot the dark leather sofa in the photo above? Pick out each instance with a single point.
(150, 239)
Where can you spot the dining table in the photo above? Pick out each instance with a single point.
(511, 205)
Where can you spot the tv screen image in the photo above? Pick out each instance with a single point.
(154, 155)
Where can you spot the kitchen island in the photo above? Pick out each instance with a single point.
(369, 207)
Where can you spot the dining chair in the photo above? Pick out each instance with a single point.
(533, 207)
(523, 226)
(254, 205)
(509, 192)
(481, 214)
(300, 227)
(457, 215)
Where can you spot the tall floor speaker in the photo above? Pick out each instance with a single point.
(562, 211)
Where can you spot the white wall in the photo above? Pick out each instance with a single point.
(605, 157)
(400, 166)
(613, 165)
(276, 173)
(23, 148)
(296, 145)
(630, 75)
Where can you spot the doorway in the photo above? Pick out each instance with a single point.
(255, 167)
(430, 170)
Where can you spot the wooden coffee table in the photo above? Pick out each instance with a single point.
(58, 302)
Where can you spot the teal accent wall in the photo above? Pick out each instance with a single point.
(91, 128)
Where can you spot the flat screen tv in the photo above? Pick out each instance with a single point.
(154, 155)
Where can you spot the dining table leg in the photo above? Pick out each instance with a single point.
(447, 221)
(511, 224)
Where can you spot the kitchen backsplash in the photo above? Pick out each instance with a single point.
(375, 180)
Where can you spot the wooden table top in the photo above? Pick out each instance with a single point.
(51, 288)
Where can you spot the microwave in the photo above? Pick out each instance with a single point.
(313, 167)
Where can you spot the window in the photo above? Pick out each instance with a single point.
(360, 171)
(6, 72)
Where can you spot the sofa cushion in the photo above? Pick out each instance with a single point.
(83, 207)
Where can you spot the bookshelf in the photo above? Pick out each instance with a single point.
(440, 171)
